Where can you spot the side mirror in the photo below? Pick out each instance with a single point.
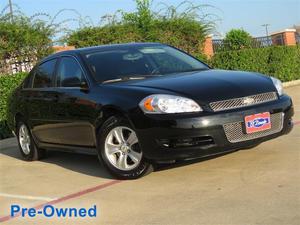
(84, 86)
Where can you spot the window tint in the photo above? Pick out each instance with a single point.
(43, 74)
(147, 61)
(69, 73)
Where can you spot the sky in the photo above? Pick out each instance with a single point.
(246, 14)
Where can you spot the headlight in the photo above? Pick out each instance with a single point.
(161, 104)
(277, 83)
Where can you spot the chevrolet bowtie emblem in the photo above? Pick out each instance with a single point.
(248, 101)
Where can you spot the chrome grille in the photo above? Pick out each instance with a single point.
(234, 131)
(244, 101)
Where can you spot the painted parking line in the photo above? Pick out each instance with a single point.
(67, 197)
(27, 197)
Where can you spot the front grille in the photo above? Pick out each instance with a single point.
(235, 133)
(244, 101)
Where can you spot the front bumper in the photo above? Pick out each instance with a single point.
(172, 137)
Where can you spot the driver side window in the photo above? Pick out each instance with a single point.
(69, 73)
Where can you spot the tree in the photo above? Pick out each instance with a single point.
(237, 39)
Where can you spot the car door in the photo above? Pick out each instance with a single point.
(40, 99)
(74, 112)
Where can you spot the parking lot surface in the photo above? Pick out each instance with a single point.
(256, 186)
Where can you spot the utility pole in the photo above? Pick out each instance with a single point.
(11, 10)
(267, 31)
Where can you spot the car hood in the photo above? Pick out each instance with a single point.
(209, 85)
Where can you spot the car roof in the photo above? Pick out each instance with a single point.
(99, 48)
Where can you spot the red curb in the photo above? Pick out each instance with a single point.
(297, 123)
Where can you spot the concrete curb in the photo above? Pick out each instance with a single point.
(291, 83)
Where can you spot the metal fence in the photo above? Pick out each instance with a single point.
(257, 42)
(297, 36)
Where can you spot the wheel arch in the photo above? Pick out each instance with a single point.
(106, 113)
(17, 117)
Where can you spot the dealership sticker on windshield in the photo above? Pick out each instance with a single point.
(257, 122)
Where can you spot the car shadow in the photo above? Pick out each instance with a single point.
(89, 164)
(182, 163)
(80, 163)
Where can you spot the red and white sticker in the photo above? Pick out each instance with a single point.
(257, 122)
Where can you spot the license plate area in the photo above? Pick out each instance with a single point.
(257, 122)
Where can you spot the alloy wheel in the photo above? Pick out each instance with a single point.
(122, 148)
(24, 139)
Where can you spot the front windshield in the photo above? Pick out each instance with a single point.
(139, 62)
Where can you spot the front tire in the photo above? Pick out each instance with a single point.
(28, 148)
(119, 150)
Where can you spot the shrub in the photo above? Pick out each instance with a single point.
(282, 62)
(23, 40)
(7, 85)
(186, 30)
(237, 39)
(22, 37)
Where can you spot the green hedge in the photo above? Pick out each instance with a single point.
(7, 84)
(282, 62)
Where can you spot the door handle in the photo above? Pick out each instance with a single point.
(53, 98)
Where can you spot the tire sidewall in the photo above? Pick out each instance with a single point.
(108, 125)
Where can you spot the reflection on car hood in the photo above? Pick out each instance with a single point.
(209, 85)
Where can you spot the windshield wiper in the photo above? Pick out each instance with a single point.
(126, 78)
(193, 70)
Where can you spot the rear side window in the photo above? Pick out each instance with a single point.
(69, 73)
(44, 74)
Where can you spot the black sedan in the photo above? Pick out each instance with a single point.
(138, 104)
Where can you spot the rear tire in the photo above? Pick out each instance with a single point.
(119, 150)
(27, 146)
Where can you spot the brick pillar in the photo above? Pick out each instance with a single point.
(208, 47)
(289, 37)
